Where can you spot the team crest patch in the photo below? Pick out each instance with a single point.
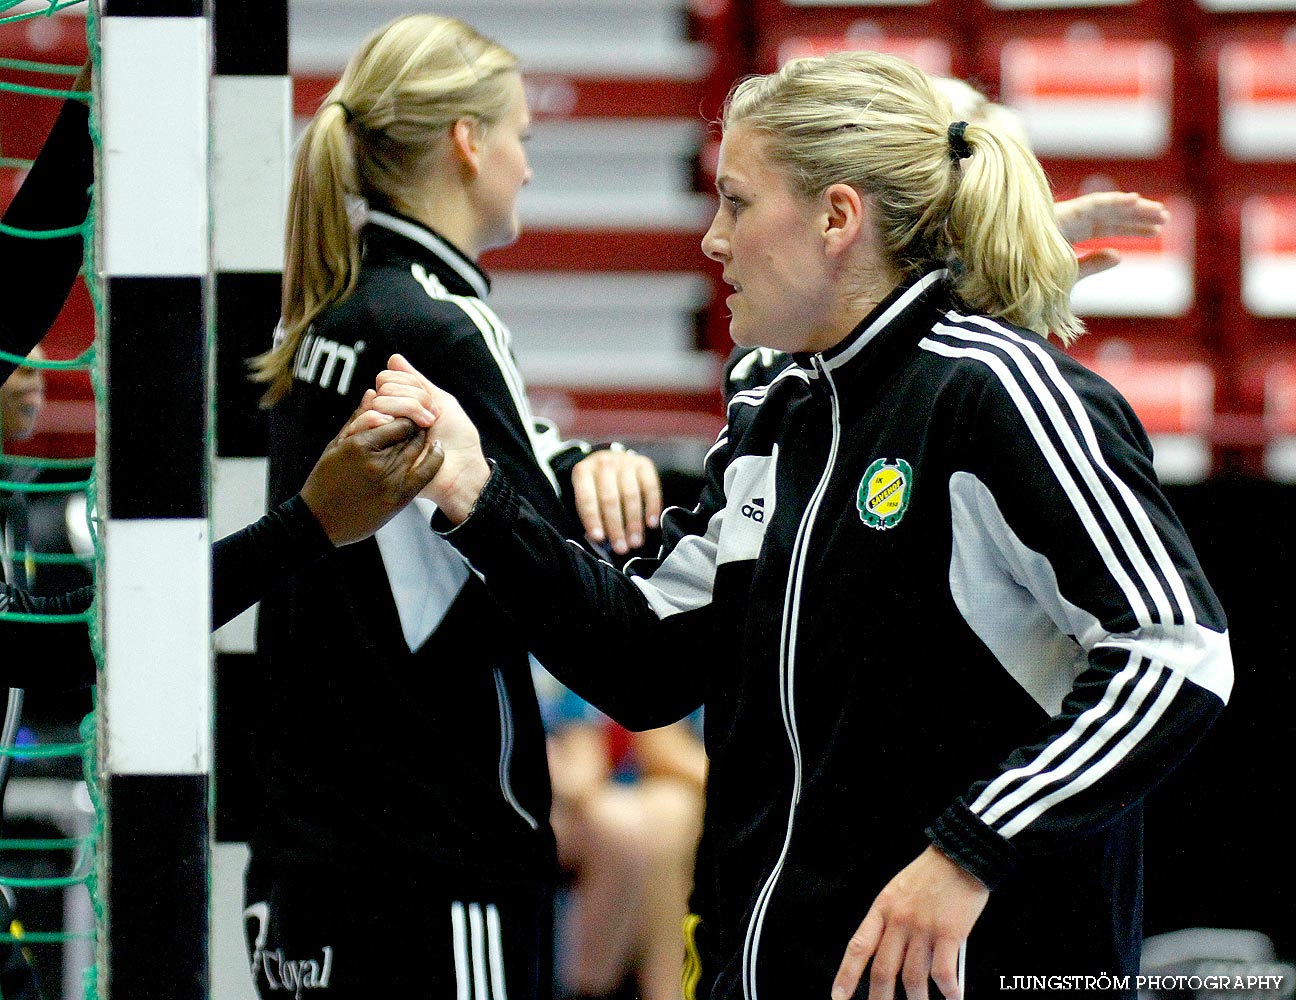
(884, 493)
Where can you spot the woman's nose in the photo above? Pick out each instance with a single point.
(714, 245)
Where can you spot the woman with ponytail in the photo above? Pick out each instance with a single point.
(403, 846)
(945, 628)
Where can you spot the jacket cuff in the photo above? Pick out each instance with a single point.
(961, 835)
(304, 530)
(496, 499)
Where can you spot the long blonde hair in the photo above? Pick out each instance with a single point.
(878, 123)
(375, 137)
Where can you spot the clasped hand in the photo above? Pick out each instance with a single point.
(617, 491)
(384, 462)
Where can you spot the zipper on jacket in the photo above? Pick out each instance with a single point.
(506, 750)
(787, 676)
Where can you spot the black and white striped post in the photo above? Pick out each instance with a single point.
(166, 276)
(251, 139)
(156, 683)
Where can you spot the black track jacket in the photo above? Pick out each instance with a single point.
(398, 729)
(932, 592)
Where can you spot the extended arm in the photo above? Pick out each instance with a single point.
(1108, 213)
(621, 642)
(612, 493)
(588, 623)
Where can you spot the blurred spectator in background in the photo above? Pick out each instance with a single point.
(627, 813)
(22, 397)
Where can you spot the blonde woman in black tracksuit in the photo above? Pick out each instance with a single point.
(946, 628)
(405, 846)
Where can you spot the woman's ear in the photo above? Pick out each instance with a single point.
(466, 139)
(844, 216)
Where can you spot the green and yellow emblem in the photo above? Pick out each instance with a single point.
(884, 493)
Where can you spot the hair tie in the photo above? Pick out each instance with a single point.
(346, 112)
(959, 149)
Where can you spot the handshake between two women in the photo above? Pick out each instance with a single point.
(617, 492)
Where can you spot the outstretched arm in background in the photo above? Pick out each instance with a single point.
(38, 274)
(1108, 213)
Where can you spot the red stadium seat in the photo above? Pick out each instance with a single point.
(1084, 94)
(1258, 99)
(929, 34)
(932, 55)
(1254, 319)
(1024, 11)
(1270, 379)
(1268, 247)
(1254, 255)
(1247, 95)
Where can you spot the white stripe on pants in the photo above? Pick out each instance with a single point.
(478, 951)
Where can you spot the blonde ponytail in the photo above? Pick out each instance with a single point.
(1014, 261)
(321, 250)
(375, 137)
